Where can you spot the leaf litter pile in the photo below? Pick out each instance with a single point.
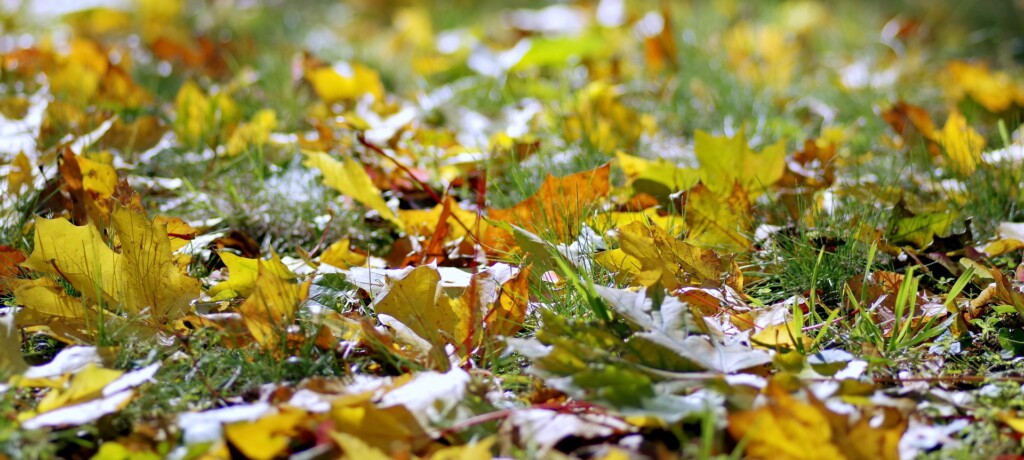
(462, 230)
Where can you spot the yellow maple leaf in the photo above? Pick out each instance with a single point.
(349, 178)
(995, 91)
(150, 279)
(962, 144)
(355, 448)
(20, 174)
(718, 221)
(657, 177)
(267, 437)
(761, 54)
(85, 385)
(143, 277)
(419, 302)
(602, 222)
(422, 222)
(271, 307)
(472, 451)
(353, 81)
(380, 429)
(11, 361)
(726, 160)
(787, 428)
(341, 255)
(253, 134)
(199, 118)
(179, 231)
(651, 255)
(242, 274)
(79, 254)
(598, 116)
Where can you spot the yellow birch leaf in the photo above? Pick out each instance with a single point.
(242, 273)
(268, 437)
(85, 385)
(351, 180)
(271, 308)
(962, 144)
(726, 160)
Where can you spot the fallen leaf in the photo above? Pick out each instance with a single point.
(143, 277)
(270, 309)
(658, 257)
(349, 178)
(11, 361)
(341, 255)
(559, 206)
(345, 82)
(995, 91)
(728, 160)
(242, 274)
(719, 221)
(20, 174)
(962, 144)
(268, 437)
(786, 428)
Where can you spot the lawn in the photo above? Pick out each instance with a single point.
(472, 229)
